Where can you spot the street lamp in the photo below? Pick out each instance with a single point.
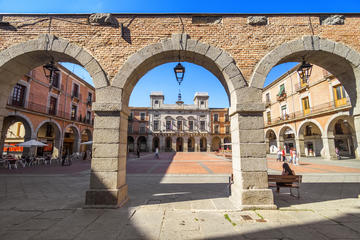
(304, 71)
(179, 71)
(50, 70)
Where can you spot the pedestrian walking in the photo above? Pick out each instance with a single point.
(291, 156)
(283, 155)
(279, 155)
(138, 152)
(295, 157)
(157, 153)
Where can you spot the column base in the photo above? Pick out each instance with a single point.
(107, 198)
(250, 199)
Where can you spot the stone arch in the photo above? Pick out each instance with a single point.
(155, 143)
(88, 137)
(215, 143)
(341, 60)
(191, 144)
(271, 143)
(23, 57)
(12, 118)
(179, 144)
(312, 144)
(57, 141)
(346, 142)
(215, 60)
(77, 137)
(331, 121)
(287, 142)
(131, 144)
(303, 124)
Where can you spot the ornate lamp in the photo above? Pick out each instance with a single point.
(304, 71)
(49, 70)
(179, 71)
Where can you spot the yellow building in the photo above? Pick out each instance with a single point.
(311, 116)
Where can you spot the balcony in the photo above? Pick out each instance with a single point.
(281, 97)
(318, 109)
(43, 109)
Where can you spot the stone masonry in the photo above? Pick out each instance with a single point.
(240, 55)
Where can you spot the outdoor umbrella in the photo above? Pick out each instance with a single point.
(32, 143)
(86, 143)
(8, 145)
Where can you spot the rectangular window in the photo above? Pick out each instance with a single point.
(202, 125)
(179, 125)
(268, 116)
(282, 90)
(339, 95)
(191, 125)
(305, 105)
(216, 117)
(142, 129)
(129, 128)
(52, 105)
(89, 98)
(226, 117)
(283, 112)
(216, 129)
(18, 97)
(142, 116)
(168, 125)
(227, 129)
(131, 116)
(156, 125)
(55, 79)
(73, 112)
(88, 117)
(75, 92)
(267, 97)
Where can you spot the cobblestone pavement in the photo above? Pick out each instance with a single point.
(176, 206)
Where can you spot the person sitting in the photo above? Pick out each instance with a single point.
(287, 171)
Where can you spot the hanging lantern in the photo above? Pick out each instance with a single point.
(179, 71)
(50, 70)
(304, 71)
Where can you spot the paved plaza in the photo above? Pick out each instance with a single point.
(179, 196)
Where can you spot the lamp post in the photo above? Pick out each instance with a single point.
(179, 71)
(50, 70)
(304, 71)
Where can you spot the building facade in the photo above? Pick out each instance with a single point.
(178, 127)
(311, 116)
(56, 112)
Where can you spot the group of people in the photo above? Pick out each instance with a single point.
(294, 158)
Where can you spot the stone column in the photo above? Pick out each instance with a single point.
(208, 144)
(300, 147)
(250, 187)
(197, 144)
(329, 147)
(173, 143)
(149, 142)
(357, 136)
(185, 144)
(162, 144)
(2, 134)
(108, 186)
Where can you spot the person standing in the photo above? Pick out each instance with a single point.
(157, 153)
(279, 155)
(291, 155)
(283, 154)
(295, 157)
(337, 151)
(138, 152)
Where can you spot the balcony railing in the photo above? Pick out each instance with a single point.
(318, 109)
(281, 97)
(31, 106)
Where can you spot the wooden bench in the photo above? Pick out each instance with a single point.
(288, 181)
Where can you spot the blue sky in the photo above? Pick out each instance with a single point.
(197, 79)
